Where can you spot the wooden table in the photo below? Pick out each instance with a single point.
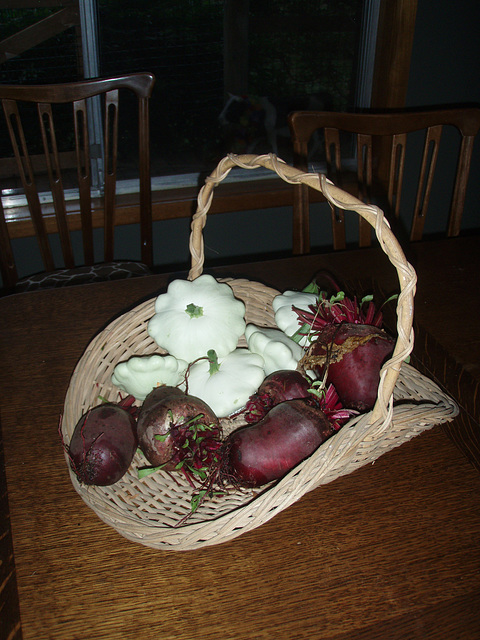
(390, 551)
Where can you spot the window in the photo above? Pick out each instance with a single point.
(228, 71)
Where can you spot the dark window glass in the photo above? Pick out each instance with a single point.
(225, 80)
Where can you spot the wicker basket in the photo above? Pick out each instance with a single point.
(149, 511)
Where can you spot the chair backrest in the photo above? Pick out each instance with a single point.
(48, 99)
(380, 149)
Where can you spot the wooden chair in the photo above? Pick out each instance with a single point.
(376, 136)
(56, 217)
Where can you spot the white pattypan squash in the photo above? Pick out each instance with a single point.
(226, 383)
(139, 375)
(195, 316)
(276, 348)
(286, 318)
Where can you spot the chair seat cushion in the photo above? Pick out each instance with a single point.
(82, 275)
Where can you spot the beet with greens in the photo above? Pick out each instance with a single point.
(348, 347)
(178, 432)
(351, 355)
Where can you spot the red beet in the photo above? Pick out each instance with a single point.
(277, 387)
(177, 431)
(103, 445)
(354, 354)
(267, 450)
(285, 385)
(160, 393)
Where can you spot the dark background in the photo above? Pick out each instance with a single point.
(444, 71)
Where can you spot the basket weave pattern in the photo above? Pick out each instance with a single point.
(149, 510)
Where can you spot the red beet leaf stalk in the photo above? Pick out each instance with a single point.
(329, 402)
(335, 310)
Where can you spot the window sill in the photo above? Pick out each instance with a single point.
(168, 204)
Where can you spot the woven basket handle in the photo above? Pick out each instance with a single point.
(338, 198)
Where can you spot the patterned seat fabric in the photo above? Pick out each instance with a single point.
(82, 275)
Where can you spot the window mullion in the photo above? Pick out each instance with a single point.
(91, 66)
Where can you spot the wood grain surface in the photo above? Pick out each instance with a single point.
(390, 551)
